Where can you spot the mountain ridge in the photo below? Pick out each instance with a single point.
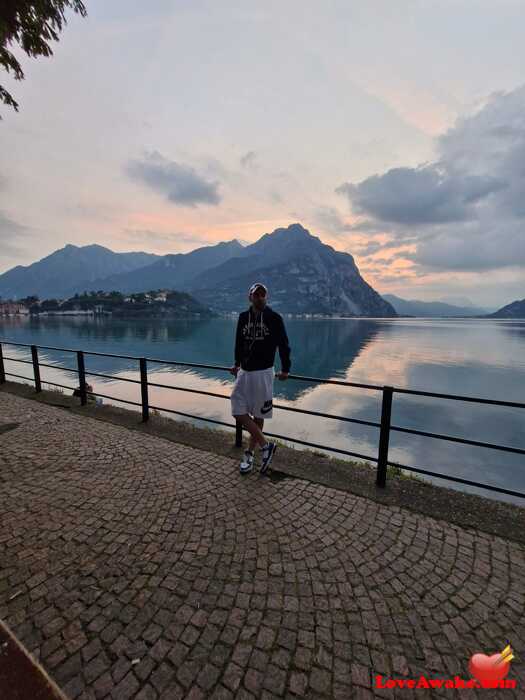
(68, 269)
(516, 309)
(304, 274)
(171, 270)
(431, 309)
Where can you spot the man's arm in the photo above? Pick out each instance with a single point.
(238, 343)
(284, 345)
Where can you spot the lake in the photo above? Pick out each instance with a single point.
(474, 357)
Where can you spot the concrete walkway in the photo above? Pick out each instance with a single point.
(133, 567)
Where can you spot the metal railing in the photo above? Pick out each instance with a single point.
(385, 425)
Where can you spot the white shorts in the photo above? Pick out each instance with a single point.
(253, 393)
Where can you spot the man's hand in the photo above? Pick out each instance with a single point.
(234, 370)
(282, 376)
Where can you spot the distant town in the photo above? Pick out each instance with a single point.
(161, 302)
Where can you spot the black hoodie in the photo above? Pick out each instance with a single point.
(259, 334)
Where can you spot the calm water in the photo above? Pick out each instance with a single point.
(471, 357)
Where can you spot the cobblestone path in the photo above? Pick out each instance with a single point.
(134, 567)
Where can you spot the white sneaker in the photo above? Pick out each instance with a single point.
(247, 462)
(268, 452)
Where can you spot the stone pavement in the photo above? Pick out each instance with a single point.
(134, 567)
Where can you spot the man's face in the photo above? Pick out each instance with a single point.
(258, 298)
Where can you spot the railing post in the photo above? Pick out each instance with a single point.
(36, 368)
(384, 436)
(144, 388)
(238, 434)
(82, 377)
(2, 368)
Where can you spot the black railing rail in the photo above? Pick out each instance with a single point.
(385, 426)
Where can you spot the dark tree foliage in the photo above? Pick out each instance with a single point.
(31, 25)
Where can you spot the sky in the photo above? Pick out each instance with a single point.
(394, 131)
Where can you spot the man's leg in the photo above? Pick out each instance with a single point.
(256, 435)
(265, 402)
(260, 424)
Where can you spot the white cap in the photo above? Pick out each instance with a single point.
(256, 286)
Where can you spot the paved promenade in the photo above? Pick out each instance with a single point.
(134, 567)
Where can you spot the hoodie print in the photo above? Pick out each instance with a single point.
(256, 329)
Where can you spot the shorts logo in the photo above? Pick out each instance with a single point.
(268, 405)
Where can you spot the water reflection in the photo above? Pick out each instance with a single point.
(320, 349)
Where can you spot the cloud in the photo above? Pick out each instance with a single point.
(396, 278)
(474, 248)
(400, 255)
(424, 195)
(375, 246)
(180, 183)
(464, 211)
(331, 220)
(248, 160)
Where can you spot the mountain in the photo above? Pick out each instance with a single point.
(514, 310)
(271, 249)
(457, 301)
(303, 275)
(430, 309)
(68, 270)
(171, 271)
(73, 269)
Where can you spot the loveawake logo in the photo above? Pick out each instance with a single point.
(487, 672)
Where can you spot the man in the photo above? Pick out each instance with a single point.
(260, 330)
